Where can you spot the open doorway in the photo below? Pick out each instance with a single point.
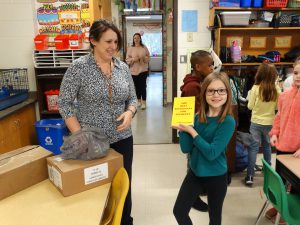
(152, 125)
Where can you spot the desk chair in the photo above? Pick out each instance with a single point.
(119, 189)
(287, 205)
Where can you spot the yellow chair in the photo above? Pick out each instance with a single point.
(114, 208)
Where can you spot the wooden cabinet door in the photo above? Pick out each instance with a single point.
(10, 136)
(25, 122)
(17, 130)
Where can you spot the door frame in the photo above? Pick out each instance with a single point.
(164, 44)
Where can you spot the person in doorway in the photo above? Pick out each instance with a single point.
(138, 58)
(206, 143)
(202, 65)
(105, 94)
(263, 100)
(285, 131)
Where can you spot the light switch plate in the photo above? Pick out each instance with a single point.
(183, 58)
(189, 36)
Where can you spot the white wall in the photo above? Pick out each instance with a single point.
(16, 36)
(201, 39)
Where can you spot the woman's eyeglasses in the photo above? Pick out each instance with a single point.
(221, 91)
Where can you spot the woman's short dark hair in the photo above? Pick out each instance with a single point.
(101, 26)
(141, 42)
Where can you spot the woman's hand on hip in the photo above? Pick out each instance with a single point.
(126, 117)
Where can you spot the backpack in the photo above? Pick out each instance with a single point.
(241, 157)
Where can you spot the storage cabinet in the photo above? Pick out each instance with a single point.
(50, 66)
(17, 130)
(223, 34)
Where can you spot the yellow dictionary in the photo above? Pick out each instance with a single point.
(183, 111)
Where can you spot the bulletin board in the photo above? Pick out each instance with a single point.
(62, 17)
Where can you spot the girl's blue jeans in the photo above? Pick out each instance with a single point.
(260, 137)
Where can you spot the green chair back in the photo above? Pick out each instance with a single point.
(286, 204)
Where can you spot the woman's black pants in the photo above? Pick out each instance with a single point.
(140, 83)
(125, 147)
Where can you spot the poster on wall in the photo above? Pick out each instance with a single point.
(189, 22)
(62, 17)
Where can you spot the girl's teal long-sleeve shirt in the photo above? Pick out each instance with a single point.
(207, 150)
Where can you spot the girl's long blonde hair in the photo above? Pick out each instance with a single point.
(265, 77)
(226, 108)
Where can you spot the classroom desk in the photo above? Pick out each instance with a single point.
(43, 204)
(289, 168)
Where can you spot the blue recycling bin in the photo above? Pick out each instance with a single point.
(50, 133)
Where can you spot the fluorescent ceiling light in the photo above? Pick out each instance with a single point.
(138, 17)
(144, 9)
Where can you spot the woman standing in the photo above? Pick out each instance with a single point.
(104, 90)
(138, 58)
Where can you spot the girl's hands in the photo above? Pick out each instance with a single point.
(127, 118)
(186, 128)
(297, 154)
(273, 140)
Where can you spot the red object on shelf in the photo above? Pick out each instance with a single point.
(52, 100)
(41, 41)
(75, 41)
(275, 3)
(61, 41)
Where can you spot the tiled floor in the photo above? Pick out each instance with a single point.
(158, 171)
(153, 125)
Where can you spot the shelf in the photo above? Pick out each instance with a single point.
(253, 9)
(49, 76)
(259, 28)
(255, 64)
(53, 58)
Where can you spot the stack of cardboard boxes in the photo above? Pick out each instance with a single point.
(30, 165)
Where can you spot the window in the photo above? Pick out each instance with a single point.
(153, 42)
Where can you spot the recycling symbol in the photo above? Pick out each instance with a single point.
(48, 141)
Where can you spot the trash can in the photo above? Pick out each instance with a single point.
(50, 134)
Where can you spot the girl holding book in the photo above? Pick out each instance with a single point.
(206, 143)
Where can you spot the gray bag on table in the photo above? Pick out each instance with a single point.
(86, 144)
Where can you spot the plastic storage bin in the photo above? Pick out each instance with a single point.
(229, 3)
(275, 3)
(52, 100)
(245, 3)
(50, 134)
(257, 3)
(75, 41)
(235, 18)
(41, 41)
(61, 41)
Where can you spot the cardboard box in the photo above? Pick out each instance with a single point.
(22, 168)
(74, 176)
